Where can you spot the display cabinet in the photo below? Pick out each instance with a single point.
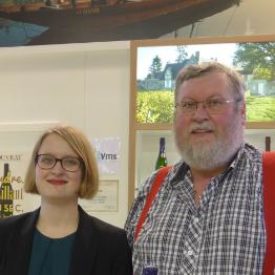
(154, 66)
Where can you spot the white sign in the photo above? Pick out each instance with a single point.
(108, 154)
(106, 200)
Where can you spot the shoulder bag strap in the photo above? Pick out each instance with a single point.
(269, 211)
(159, 179)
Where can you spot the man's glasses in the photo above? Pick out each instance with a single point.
(47, 161)
(212, 105)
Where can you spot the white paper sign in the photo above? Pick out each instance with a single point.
(108, 154)
(106, 200)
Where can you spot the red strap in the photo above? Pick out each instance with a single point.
(269, 210)
(159, 179)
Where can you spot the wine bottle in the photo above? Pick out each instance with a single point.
(6, 194)
(161, 160)
(267, 144)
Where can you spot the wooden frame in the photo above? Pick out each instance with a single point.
(135, 126)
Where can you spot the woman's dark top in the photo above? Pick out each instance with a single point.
(98, 247)
(50, 256)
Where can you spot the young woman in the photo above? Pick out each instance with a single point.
(60, 238)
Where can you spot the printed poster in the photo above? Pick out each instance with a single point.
(12, 172)
(108, 154)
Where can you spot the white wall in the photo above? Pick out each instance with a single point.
(86, 85)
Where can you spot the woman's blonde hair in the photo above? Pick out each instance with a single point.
(81, 146)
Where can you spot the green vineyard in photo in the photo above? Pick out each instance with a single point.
(260, 108)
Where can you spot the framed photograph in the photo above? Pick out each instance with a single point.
(155, 65)
(106, 199)
(39, 22)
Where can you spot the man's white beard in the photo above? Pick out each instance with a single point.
(210, 155)
(206, 156)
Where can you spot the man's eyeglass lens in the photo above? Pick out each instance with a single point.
(211, 105)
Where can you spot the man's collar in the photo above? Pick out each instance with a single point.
(180, 169)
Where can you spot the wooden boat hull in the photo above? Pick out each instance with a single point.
(91, 23)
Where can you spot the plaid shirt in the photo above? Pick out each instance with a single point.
(224, 235)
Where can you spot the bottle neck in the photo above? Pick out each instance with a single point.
(162, 147)
(162, 153)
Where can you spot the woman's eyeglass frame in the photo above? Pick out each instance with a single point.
(65, 161)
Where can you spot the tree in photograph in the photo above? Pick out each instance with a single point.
(155, 68)
(182, 54)
(155, 107)
(257, 59)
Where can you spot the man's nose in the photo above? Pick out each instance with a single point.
(201, 112)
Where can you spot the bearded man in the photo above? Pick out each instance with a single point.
(207, 217)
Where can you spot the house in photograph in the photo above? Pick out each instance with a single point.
(165, 79)
(257, 86)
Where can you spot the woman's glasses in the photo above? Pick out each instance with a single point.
(47, 161)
